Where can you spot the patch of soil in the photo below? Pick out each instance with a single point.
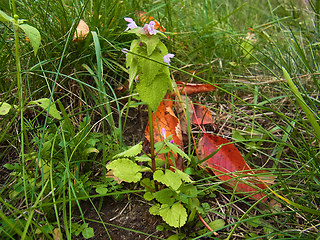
(124, 220)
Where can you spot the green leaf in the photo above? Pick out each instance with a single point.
(4, 108)
(4, 17)
(177, 150)
(175, 216)
(150, 67)
(185, 177)
(131, 152)
(153, 93)
(88, 233)
(44, 103)
(216, 224)
(91, 150)
(165, 196)
(125, 169)
(34, 36)
(163, 49)
(154, 209)
(101, 189)
(148, 196)
(151, 42)
(169, 178)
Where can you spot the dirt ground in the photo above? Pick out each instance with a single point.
(124, 220)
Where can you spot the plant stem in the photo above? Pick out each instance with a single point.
(153, 160)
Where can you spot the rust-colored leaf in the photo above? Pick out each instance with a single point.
(228, 160)
(81, 32)
(194, 88)
(166, 118)
(201, 115)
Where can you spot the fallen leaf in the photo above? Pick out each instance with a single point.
(56, 234)
(201, 115)
(229, 160)
(193, 88)
(81, 32)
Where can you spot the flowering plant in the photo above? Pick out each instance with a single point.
(147, 62)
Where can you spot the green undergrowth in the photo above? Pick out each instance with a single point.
(64, 118)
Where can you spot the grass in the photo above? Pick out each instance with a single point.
(266, 102)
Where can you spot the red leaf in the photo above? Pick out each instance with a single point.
(194, 88)
(229, 160)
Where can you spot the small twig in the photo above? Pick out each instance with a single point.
(206, 225)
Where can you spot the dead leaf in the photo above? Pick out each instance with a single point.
(81, 32)
(201, 115)
(193, 88)
(56, 234)
(229, 160)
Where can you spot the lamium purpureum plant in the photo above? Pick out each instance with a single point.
(176, 197)
(147, 61)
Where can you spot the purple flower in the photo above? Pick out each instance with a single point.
(164, 133)
(124, 50)
(136, 79)
(149, 28)
(171, 141)
(166, 58)
(131, 23)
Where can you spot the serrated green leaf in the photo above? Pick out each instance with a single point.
(150, 68)
(4, 17)
(216, 224)
(126, 170)
(44, 103)
(177, 150)
(169, 178)
(153, 94)
(165, 196)
(148, 196)
(175, 216)
(131, 152)
(185, 177)
(147, 183)
(154, 209)
(33, 34)
(130, 56)
(4, 108)
(151, 42)
(88, 233)
(163, 49)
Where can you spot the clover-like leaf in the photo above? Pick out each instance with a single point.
(126, 170)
